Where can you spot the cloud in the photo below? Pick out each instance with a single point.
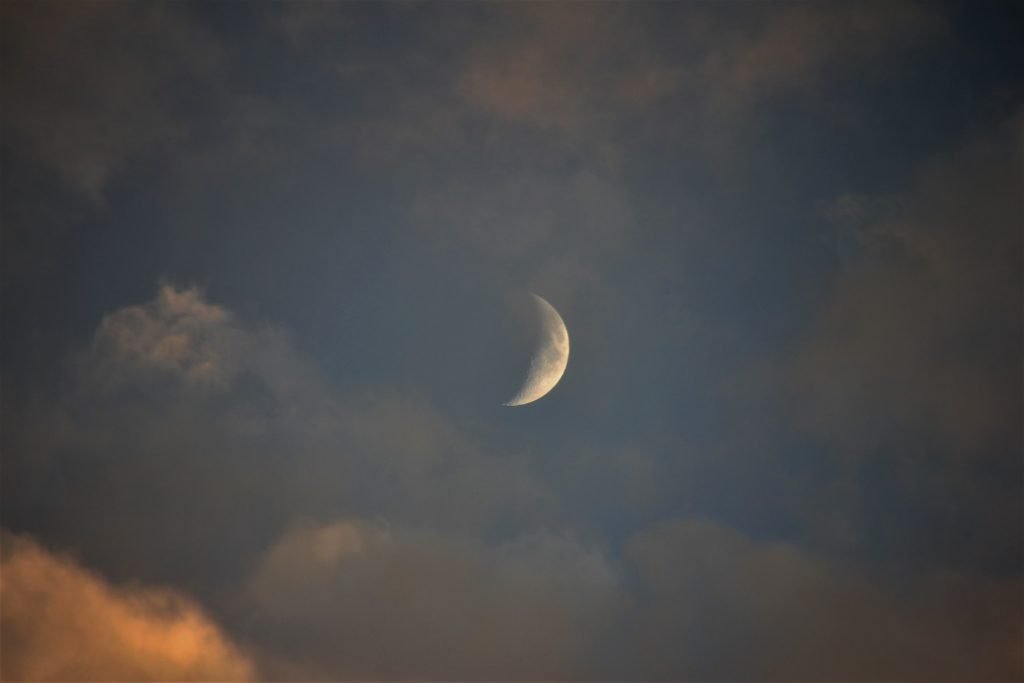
(715, 604)
(585, 72)
(533, 145)
(352, 599)
(902, 388)
(371, 536)
(63, 622)
(91, 87)
(921, 329)
(580, 77)
(177, 333)
(795, 48)
(548, 230)
(179, 339)
(548, 102)
(560, 67)
(692, 600)
(180, 399)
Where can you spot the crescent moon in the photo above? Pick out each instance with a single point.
(551, 358)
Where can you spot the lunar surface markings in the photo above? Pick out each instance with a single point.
(549, 360)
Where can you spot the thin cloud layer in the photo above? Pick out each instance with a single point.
(60, 622)
(555, 232)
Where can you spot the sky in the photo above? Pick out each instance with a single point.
(262, 284)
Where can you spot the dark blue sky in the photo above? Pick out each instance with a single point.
(259, 271)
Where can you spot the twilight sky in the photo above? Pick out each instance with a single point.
(263, 271)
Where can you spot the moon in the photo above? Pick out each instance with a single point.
(549, 360)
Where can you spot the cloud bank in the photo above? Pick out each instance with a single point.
(392, 553)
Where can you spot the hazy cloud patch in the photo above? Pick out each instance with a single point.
(708, 591)
(795, 48)
(562, 67)
(77, 103)
(924, 318)
(352, 599)
(543, 229)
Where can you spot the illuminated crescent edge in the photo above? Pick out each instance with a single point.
(551, 358)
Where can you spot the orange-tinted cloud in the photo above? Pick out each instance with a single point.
(180, 336)
(62, 622)
(177, 332)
